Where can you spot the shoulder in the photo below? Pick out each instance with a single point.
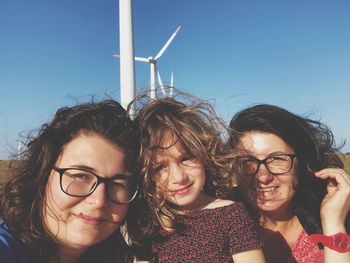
(10, 250)
(5, 236)
(219, 203)
(226, 205)
(227, 209)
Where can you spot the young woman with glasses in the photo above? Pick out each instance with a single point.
(293, 181)
(68, 193)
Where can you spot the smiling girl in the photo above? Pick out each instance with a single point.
(185, 176)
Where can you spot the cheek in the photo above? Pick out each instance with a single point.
(292, 182)
(119, 212)
(58, 204)
(161, 181)
(202, 176)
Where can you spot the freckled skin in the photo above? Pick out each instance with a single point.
(280, 189)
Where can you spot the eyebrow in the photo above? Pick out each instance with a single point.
(91, 169)
(84, 167)
(121, 176)
(251, 154)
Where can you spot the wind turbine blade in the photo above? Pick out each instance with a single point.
(152, 80)
(160, 81)
(116, 55)
(160, 53)
(142, 59)
(172, 79)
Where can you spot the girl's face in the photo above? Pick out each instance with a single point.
(180, 175)
(81, 222)
(268, 192)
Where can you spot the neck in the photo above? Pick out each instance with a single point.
(277, 221)
(204, 201)
(69, 255)
(288, 226)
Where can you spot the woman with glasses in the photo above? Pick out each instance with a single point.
(293, 181)
(68, 193)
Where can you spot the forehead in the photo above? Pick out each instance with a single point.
(94, 151)
(170, 145)
(263, 143)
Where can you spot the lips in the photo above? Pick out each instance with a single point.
(182, 190)
(265, 189)
(89, 219)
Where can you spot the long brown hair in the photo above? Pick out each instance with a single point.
(315, 148)
(23, 194)
(195, 124)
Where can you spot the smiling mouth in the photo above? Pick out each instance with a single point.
(88, 219)
(182, 190)
(265, 189)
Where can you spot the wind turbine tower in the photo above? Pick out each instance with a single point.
(127, 68)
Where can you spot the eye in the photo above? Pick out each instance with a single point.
(278, 158)
(246, 160)
(185, 158)
(158, 168)
(79, 175)
(189, 160)
(119, 184)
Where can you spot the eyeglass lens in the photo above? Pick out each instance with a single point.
(81, 183)
(277, 164)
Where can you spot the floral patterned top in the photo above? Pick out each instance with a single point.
(209, 235)
(305, 251)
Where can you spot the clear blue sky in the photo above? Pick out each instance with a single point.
(293, 53)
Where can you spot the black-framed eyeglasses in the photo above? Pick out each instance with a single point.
(276, 164)
(81, 183)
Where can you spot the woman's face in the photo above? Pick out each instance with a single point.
(268, 192)
(81, 222)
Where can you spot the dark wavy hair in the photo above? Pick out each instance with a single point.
(194, 123)
(315, 148)
(23, 194)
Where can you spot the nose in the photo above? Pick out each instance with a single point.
(98, 198)
(178, 174)
(263, 175)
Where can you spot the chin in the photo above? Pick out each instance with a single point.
(270, 206)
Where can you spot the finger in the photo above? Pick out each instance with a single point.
(339, 175)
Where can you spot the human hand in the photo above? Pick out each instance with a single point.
(336, 203)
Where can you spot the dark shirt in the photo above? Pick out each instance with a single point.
(10, 250)
(210, 235)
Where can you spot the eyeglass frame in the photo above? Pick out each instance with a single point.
(100, 179)
(292, 156)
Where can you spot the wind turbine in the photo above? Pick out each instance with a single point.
(19, 146)
(127, 70)
(152, 60)
(171, 84)
(162, 86)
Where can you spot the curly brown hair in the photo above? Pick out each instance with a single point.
(195, 124)
(23, 194)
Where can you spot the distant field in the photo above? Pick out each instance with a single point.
(4, 167)
(346, 161)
